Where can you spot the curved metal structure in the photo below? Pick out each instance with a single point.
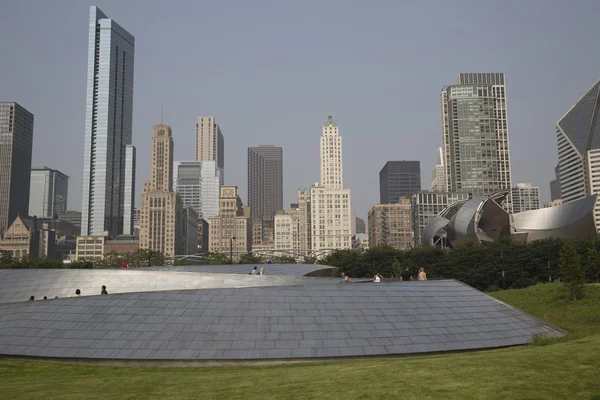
(483, 219)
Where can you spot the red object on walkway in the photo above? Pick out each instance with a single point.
(124, 265)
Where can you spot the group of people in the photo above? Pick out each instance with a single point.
(405, 275)
(256, 271)
(77, 293)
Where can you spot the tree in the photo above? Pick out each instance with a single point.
(250, 258)
(396, 268)
(571, 271)
(284, 260)
(310, 260)
(592, 262)
(210, 258)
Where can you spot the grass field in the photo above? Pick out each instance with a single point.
(565, 370)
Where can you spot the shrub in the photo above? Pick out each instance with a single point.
(571, 271)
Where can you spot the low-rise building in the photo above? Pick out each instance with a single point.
(24, 239)
(121, 244)
(90, 247)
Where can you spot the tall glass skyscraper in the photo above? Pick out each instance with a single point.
(475, 134)
(107, 126)
(197, 182)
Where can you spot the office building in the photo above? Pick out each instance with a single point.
(360, 241)
(190, 231)
(475, 135)
(129, 191)
(16, 133)
(283, 234)
(263, 233)
(358, 225)
(301, 223)
(555, 184)
(331, 225)
(230, 231)
(198, 182)
(90, 248)
(438, 175)
(578, 140)
(399, 179)
(265, 180)
(109, 107)
(525, 197)
(48, 192)
(391, 225)
(428, 204)
(73, 217)
(553, 203)
(203, 233)
(122, 244)
(210, 144)
(161, 215)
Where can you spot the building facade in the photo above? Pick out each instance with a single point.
(391, 225)
(263, 233)
(525, 197)
(90, 247)
(360, 241)
(23, 238)
(129, 191)
(283, 234)
(301, 223)
(161, 216)
(399, 179)
(16, 131)
(73, 217)
(190, 234)
(121, 245)
(330, 205)
(438, 175)
(358, 225)
(48, 192)
(428, 204)
(265, 180)
(475, 135)
(108, 123)
(578, 139)
(210, 143)
(555, 184)
(230, 231)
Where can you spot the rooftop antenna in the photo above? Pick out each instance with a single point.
(161, 112)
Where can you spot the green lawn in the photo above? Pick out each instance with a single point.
(566, 370)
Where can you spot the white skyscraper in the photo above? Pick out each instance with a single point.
(331, 222)
(108, 122)
(525, 197)
(438, 175)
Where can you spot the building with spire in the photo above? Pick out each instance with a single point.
(161, 217)
(331, 223)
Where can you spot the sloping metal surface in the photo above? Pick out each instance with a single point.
(284, 322)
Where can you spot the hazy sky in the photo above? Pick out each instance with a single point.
(272, 71)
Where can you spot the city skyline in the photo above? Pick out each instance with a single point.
(246, 123)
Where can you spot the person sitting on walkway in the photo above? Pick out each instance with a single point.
(377, 277)
(345, 278)
(422, 276)
(254, 271)
(103, 290)
(262, 271)
(78, 292)
(405, 275)
(32, 298)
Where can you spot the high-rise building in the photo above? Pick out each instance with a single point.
(438, 175)
(428, 204)
(525, 197)
(161, 216)
(358, 225)
(230, 231)
(578, 137)
(16, 133)
(190, 231)
(210, 144)
(331, 225)
(283, 233)
(555, 184)
(265, 180)
(48, 192)
(129, 191)
(301, 223)
(198, 184)
(108, 121)
(391, 225)
(399, 179)
(475, 134)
